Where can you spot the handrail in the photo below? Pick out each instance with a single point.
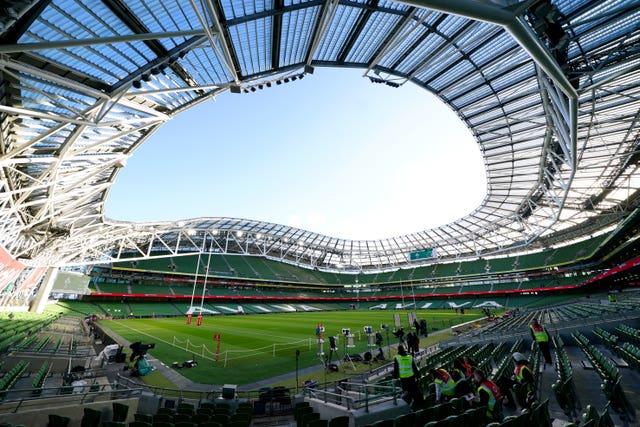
(14, 405)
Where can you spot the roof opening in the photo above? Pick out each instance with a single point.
(332, 153)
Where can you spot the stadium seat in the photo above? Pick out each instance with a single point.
(383, 423)
(140, 424)
(244, 405)
(120, 411)
(300, 411)
(58, 421)
(245, 419)
(307, 418)
(339, 422)
(248, 411)
(405, 420)
(208, 405)
(185, 407)
(181, 417)
(222, 410)
(457, 405)
(221, 419)
(162, 418)
(145, 418)
(91, 418)
(200, 418)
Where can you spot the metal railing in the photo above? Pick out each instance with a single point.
(23, 399)
(357, 395)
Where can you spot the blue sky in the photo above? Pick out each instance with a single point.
(332, 153)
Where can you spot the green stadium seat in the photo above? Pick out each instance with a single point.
(208, 405)
(300, 411)
(221, 419)
(145, 418)
(58, 421)
(405, 420)
(307, 418)
(241, 418)
(162, 418)
(200, 418)
(91, 418)
(120, 411)
(180, 417)
(457, 406)
(339, 422)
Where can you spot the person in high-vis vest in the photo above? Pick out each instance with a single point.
(405, 369)
(489, 395)
(541, 336)
(524, 377)
(445, 384)
(522, 382)
(462, 380)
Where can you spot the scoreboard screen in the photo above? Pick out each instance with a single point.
(422, 254)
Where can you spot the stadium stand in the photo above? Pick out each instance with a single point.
(261, 269)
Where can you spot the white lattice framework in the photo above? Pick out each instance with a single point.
(550, 92)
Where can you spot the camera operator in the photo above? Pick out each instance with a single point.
(399, 333)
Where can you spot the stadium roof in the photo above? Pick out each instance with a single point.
(549, 90)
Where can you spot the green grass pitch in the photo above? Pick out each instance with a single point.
(247, 342)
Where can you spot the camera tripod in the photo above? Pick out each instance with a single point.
(346, 357)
